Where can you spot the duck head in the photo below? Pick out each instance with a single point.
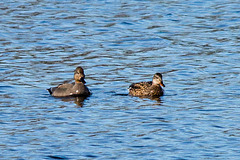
(79, 75)
(157, 79)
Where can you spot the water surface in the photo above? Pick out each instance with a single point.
(195, 45)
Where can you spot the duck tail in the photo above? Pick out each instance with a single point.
(49, 90)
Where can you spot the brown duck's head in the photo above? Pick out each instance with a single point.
(79, 75)
(157, 79)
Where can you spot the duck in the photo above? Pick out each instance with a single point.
(78, 88)
(148, 89)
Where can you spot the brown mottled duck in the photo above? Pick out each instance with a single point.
(144, 89)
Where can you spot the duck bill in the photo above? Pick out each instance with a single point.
(161, 84)
(82, 80)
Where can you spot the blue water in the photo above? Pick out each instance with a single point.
(194, 44)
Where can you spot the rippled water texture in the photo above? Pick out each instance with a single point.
(194, 44)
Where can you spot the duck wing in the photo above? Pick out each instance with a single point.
(141, 85)
(140, 89)
(61, 90)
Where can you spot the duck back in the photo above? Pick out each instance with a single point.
(64, 90)
(145, 89)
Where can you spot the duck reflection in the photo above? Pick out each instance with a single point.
(77, 100)
(144, 98)
(157, 99)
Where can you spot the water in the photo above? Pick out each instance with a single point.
(194, 44)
